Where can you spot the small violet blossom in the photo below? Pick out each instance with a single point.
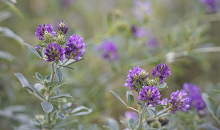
(179, 101)
(135, 75)
(164, 101)
(42, 29)
(37, 47)
(150, 95)
(162, 71)
(110, 50)
(54, 51)
(75, 47)
(141, 9)
(195, 98)
(62, 28)
(211, 5)
(130, 114)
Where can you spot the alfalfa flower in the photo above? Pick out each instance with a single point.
(141, 9)
(75, 47)
(37, 47)
(150, 95)
(62, 28)
(164, 101)
(54, 51)
(134, 76)
(211, 5)
(179, 101)
(109, 50)
(44, 29)
(130, 114)
(162, 71)
(195, 97)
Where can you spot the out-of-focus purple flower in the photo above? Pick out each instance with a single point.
(42, 29)
(195, 98)
(152, 42)
(164, 101)
(163, 121)
(130, 114)
(37, 47)
(150, 95)
(162, 71)
(211, 5)
(135, 75)
(110, 50)
(179, 101)
(141, 9)
(54, 51)
(67, 3)
(62, 28)
(75, 47)
(139, 32)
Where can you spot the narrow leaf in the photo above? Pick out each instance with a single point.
(218, 111)
(38, 76)
(66, 67)
(140, 104)
(93, 127)
(36, 91)
(124, 124)
(209, 127)
(47, 107)
(58, 86)
(61, 96)
(6, 56)
(81, 110)
(218, 91)
(32, 49)
(130, 98)
(112, 124)
(210, 103)
(22, 79)
(71, 61)
(119, 98)
(59, 74)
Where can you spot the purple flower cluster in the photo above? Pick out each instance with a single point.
(135, 75)
(110, 50)
(62, 28)
(75, 47)
(42, 29)
(163, 121)
(141, 8)
(130, 114)
(54, 51)
(179, 101)
(195, 98)
(211, 5)
(139, 32)
(150, 95)
(164, 101)
(162, 71)
(37, 47)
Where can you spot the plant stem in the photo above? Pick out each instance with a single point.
(140, 119)
(51, 81)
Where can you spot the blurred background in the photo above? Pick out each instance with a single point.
(184, 34)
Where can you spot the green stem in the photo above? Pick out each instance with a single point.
(140, 119)
(48, 92)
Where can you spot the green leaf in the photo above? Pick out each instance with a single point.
(61, 115)
(47, 77)
(32, 49)
(164, 114)
(112, 124)
(218, 111)
(81, 127)
(131, 122)
(162, 86)
(154, 111)
(4, 15)
(93, 127)
(81, 110)
(47, 107)
(125, 124)
(210, 103)
(151, 112)
(22, 79)
(218, 91)
(66, 67)
(8, 33)
(38, 76)
(64, 123)
(59, 74)
(209, 127)
(130, 98)
(39, 95)
(6, 56)
(140, 104)
(58, 86)
(61, 96)
(71, 61)
(119, 98)
(12, 6)
(162, 111)
(136, 84)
